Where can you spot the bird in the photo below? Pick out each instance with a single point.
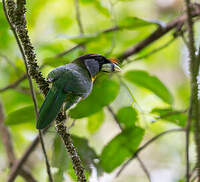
(71, 83)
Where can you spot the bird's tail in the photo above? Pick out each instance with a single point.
(51, 107)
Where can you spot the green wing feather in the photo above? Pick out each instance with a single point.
(51, 107)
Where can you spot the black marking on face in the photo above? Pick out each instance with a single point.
(96, 57)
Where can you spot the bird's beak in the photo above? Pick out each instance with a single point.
(110, 67)
(116, 68)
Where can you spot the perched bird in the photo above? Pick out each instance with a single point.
(71, 83)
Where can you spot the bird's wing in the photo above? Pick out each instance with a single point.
(76, 81)
(56, 73)
(51, 107)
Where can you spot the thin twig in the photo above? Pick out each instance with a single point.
(20, 10)
(14, 84)
(115, 117)
(169, 114)
(68, 51)
(158, 33)
(64, 53)
(114, 22)
(8, 61)
(72, 125)
(144, 168)
(192, 173)
(145, 145)
(7, 143)
(155, 50)
(19, 164)
(78, 16)
(48, 167)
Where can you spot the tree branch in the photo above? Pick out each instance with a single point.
(193, 112)
(144, 168)
(155, 50)
(145, 145)
(22, 31)
(48, 167)
(78, 16)
(64, 53)
(17, 24)
(158, 33)
(14, 84)
(9, 61)
(7, 143)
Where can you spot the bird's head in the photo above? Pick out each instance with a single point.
(96, 63)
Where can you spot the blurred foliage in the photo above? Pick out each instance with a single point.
(104, 92)
(121, 147)
(142, 96)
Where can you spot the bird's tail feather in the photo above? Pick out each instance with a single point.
(51, 107)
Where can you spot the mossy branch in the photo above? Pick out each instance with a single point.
(16, 15)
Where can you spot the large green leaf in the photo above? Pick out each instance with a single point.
(143, 79)
(54, 62)
(121, 148)
(95, 121)
(23, 115)
(4, 30)
(60, 159)
(127, 116)
(101, 9)
(104, 92)
(134, 23)
(174, 116)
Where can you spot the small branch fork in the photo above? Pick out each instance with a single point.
(147, 144)
(161, 31)
(144, 168)
(157, 34)
(135, 155)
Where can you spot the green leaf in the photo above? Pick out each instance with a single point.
(87, 153)
(95, 121)
(84, 38)
(98, 5)
(174, 116)
(60, 159)
(62, 162)
(4, 30)
(23, 115)
(143, 79)
(127, 116)
(54, 62)
(120, 148)
(134, 23)
(104, 92)
(101, 9)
